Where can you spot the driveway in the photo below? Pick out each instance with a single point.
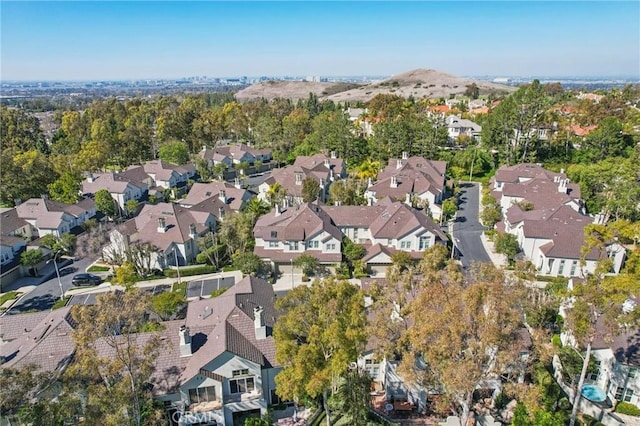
(44, 295)
(467, 228)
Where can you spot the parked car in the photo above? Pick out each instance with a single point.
(67, 271)
(85, 279)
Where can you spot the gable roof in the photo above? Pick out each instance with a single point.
(45, 342)
(295, 224)
(177, 219)
(199, 192)
(115, 183)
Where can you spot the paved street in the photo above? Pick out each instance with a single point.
(467, 229)
(45, 294)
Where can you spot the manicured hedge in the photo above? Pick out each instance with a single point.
(628, 409)
(187, 271)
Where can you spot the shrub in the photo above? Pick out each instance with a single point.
(556, 341)
(627, 408)
(60, 303)
(218, 292)
(305, 279)
(187, 272)
(97, 268)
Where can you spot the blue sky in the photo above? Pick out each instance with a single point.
(126, 40)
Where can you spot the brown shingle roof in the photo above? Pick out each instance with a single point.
(235, 197)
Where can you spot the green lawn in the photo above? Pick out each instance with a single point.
(60, 303)
(96, 268)
(8, 296)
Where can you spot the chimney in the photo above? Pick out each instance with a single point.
(370, 183)
(192, 231)
(405, 155)
(220, 214)
(333, 154)
(258, 322)
(162, 225)
(327, 164)
(278, 212)
(399, 164)
(90, 177)
(204, 148)
(370, 201)
(562, 186)
(185, 341)
(562, 171)
(394, 182)
(407, 199)
(298, 178)
(223, 196)
(236, 183)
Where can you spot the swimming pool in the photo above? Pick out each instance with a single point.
(593, 393)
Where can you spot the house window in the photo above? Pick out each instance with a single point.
(242, 385)
(633, 372)
(199, 395)
(623, 394)
(405, 244)
(594, 376)
(238, 373)
(355, 233)
(293, 245)
(424, 243)
(330, 247)
(312, 244)
(574, 265)
(273, 244)
(274, 234)
(561, 267)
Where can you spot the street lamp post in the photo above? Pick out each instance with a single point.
(292, 274)
(55, 265)
(175, 254)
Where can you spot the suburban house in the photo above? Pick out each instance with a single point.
(10, 247)
(319, 167)
(358, 116)
(169, 229)
(414, 180)
(317, 230)
(546, 214)
(284, 234)
(235, 154)
(216, 366)
(158, 174)
(457, 127)
(121, 188)
(38, 217)
(617, 358)
(232, 196)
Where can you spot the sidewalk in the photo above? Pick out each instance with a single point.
(45, 273)
(500, 260)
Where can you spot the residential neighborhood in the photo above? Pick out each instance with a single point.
(413, 249)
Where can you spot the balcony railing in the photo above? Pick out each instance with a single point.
(241, 397)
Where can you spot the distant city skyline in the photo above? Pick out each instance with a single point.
(163, 40)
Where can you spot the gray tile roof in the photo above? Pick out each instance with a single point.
(48, 344)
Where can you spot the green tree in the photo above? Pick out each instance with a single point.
(65, 189)
(472, 91)
(250, 263)
(307, 263)
(320, 330)
(174, 152)
(460, 354)
(507, 244)
(32, 258)
(352, 398)
(114, 358)
(310, 190)
(167, 304)
(24, 175)
(131, 206)
(449, 208)
(105, 202)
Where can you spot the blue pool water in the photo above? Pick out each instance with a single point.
(593, 393)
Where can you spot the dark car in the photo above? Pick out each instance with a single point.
(85, 279)
(67, 271)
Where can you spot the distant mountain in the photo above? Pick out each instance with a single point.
(419, 83)
(293, 90)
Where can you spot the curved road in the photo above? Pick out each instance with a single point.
(467, 228)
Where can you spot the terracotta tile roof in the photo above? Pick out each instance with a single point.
(581, 131)
(440, 108)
